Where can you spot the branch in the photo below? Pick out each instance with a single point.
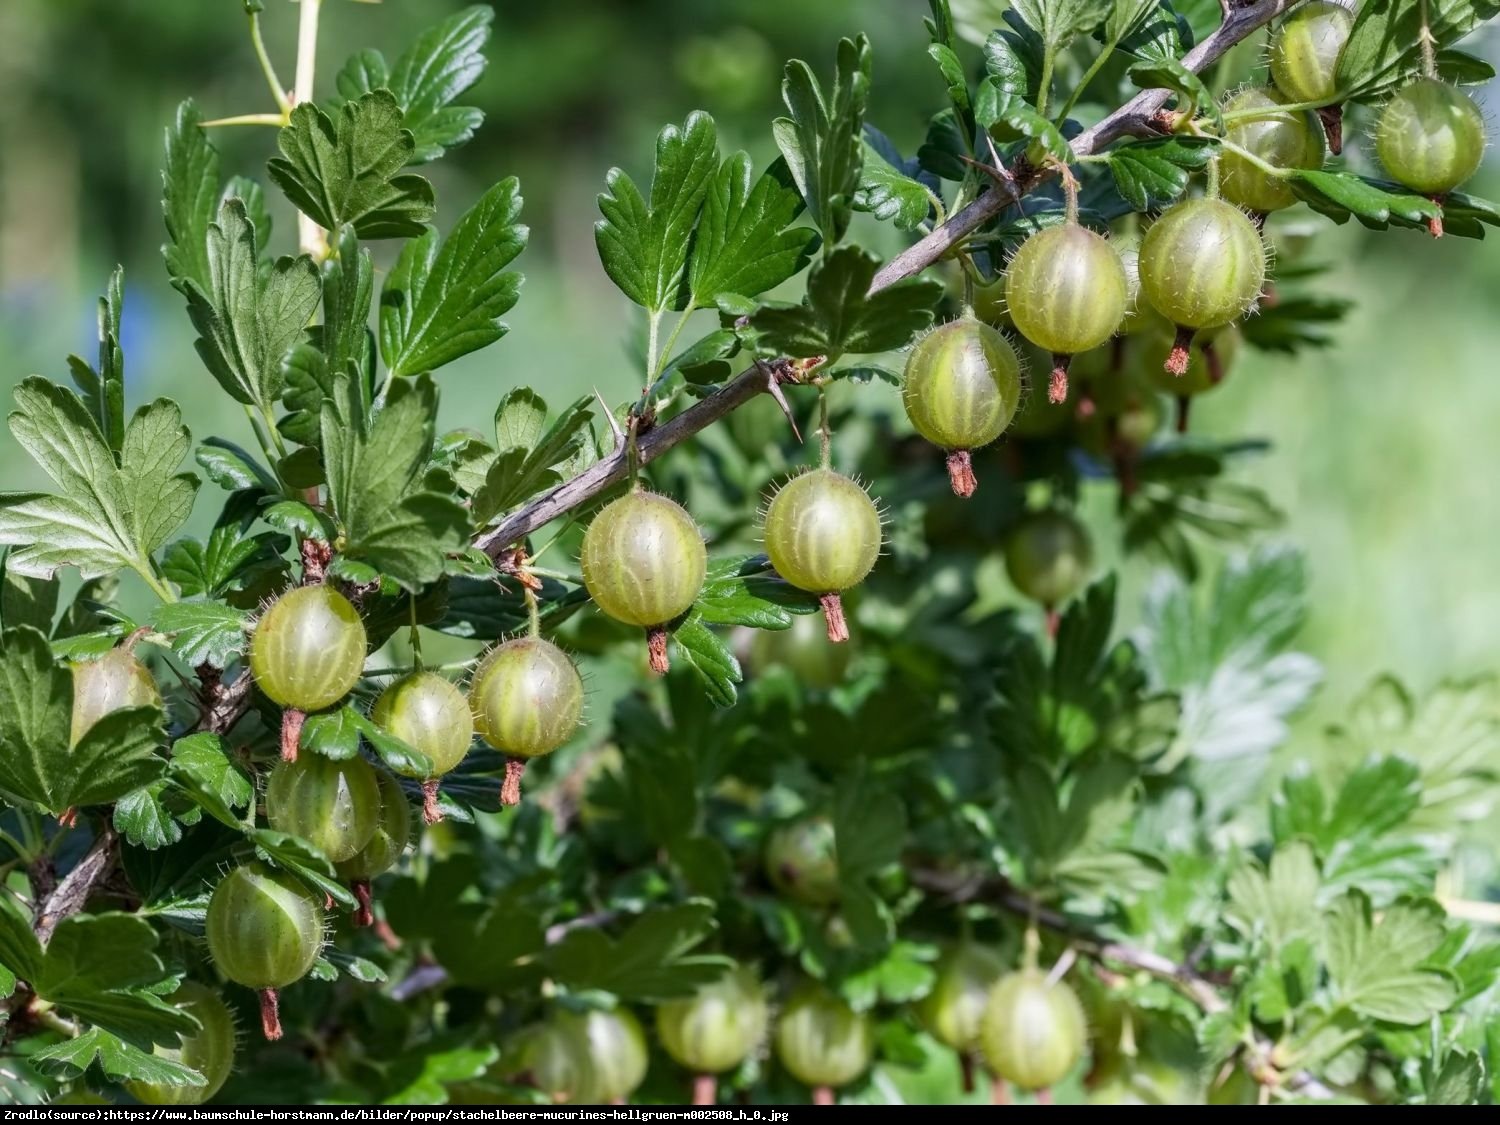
(1135, 118)
(73, 892)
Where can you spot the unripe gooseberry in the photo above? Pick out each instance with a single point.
(307, 653)
(822, 533)
(822, 1042)
(1431, 137)
(527, 699)
(431, 715)
(962, 387)
(265, 931)
(643, 563)
(1203, 264)
(1210, 361)
(1048, 556)
(1033, 1030)
(335, 806)
(716, 1028)
(593, 1058)
(1068, 293)
(1305, 50)
(379, 855)
(113, 682)
(954, 1009)
(209, 1050)
(802, 861)
(1280, 137)
(803, 651)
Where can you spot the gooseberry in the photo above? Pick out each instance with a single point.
(1280, 137)
(822, 533)
(265, 931)
(209, 1050)
(307, 653)
(954, 1009)
(1210, 360)
(1203, 264)
(592, 1058)
(1068, 293)
(1033, 1029)
(822, 1042)
(803, 651)
(1048, 557)
(715, 1029)
(113, 682)
(1305, 54)
(1431, 138)
(431, 715)
(962, 387)
(643, 563)
(335, 806)
(379, 855)
(527, 698)
(801, 860)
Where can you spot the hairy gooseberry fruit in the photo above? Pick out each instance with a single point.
(1048, 557)
(1068, 293)
(113, 682)
(801, 860)
(822, 533)
(265, 931)
(1203, 264)
(1305, 54)
(954, 1009)
(1033, 1030)
(1431, 138)
(715, 1029)
(335, 806)
(1280, 137)
(592, 1058)
(962, 387)
(822, 1042)
(643, 563)
(527, 698)
(209, 1050)
(429, 714)
(803, 651)
(379, 855)
(307, 653)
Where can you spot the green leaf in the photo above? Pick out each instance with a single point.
(995, 107)
(334, 734)
(704, 651)
(442, 64)
(190, 196)
(203, 770)
(348, 288)
(1058, 22)
(745, 590)
(37, 765)
(889, 194)
(821, 140)
(348, 172)
(143, 819)
(376, 482)
(1385, 43)
(20, 952)
(745, 243)
(1342, 194)
(645, 247)
(422, 1075)
(442, 303)
(651, 961)
(248, 319)
(1281, 901)
(233, 469)
(839, 316)
(1457, 1082)
(1169, 73)
(1013, 59)
(1150, 173)
(1126, 17)
(529, 457)
(27, 601)
(1375, 967)
(295, 855)
(204, 632)
(398, 755)
(103, 387)
(229, 562)
(118, 1060)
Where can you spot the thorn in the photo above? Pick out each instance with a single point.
(773, 386)
(609, 416)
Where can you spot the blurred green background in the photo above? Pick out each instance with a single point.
(1383, 444)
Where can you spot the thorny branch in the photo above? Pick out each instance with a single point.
(1137, 117)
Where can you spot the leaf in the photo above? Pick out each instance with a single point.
(233, 469)
(118, 1060)
(745, 590)
(442, 303)
(296, 856)
(422, 1075)
(995, 107)
(1169, 73)
(229, 562)
(444, 62)
(651, 961)
(103, 387)
(745, 243)
(1457, 1082)
(528, 457)
(334, 734)
(702, 650)
(1384, 44)
(889, 194)
(1058, 22)
(190, 196)
(398, 755)
(1375, 967)
(248, 319)
(1342, 194)
(821, 140)
(348, 172)
(1013, 59)
(839, 317)
(377, 485)
(1281, 901)
(348, 287)
(645, 247)
(142, 818)
(1150, 173)
(204, 632)
(27, 601)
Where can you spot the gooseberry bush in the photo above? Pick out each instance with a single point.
(886, 802)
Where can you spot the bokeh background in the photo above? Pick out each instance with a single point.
(1384, 449)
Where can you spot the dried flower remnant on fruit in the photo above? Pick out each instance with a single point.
(823, 535)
